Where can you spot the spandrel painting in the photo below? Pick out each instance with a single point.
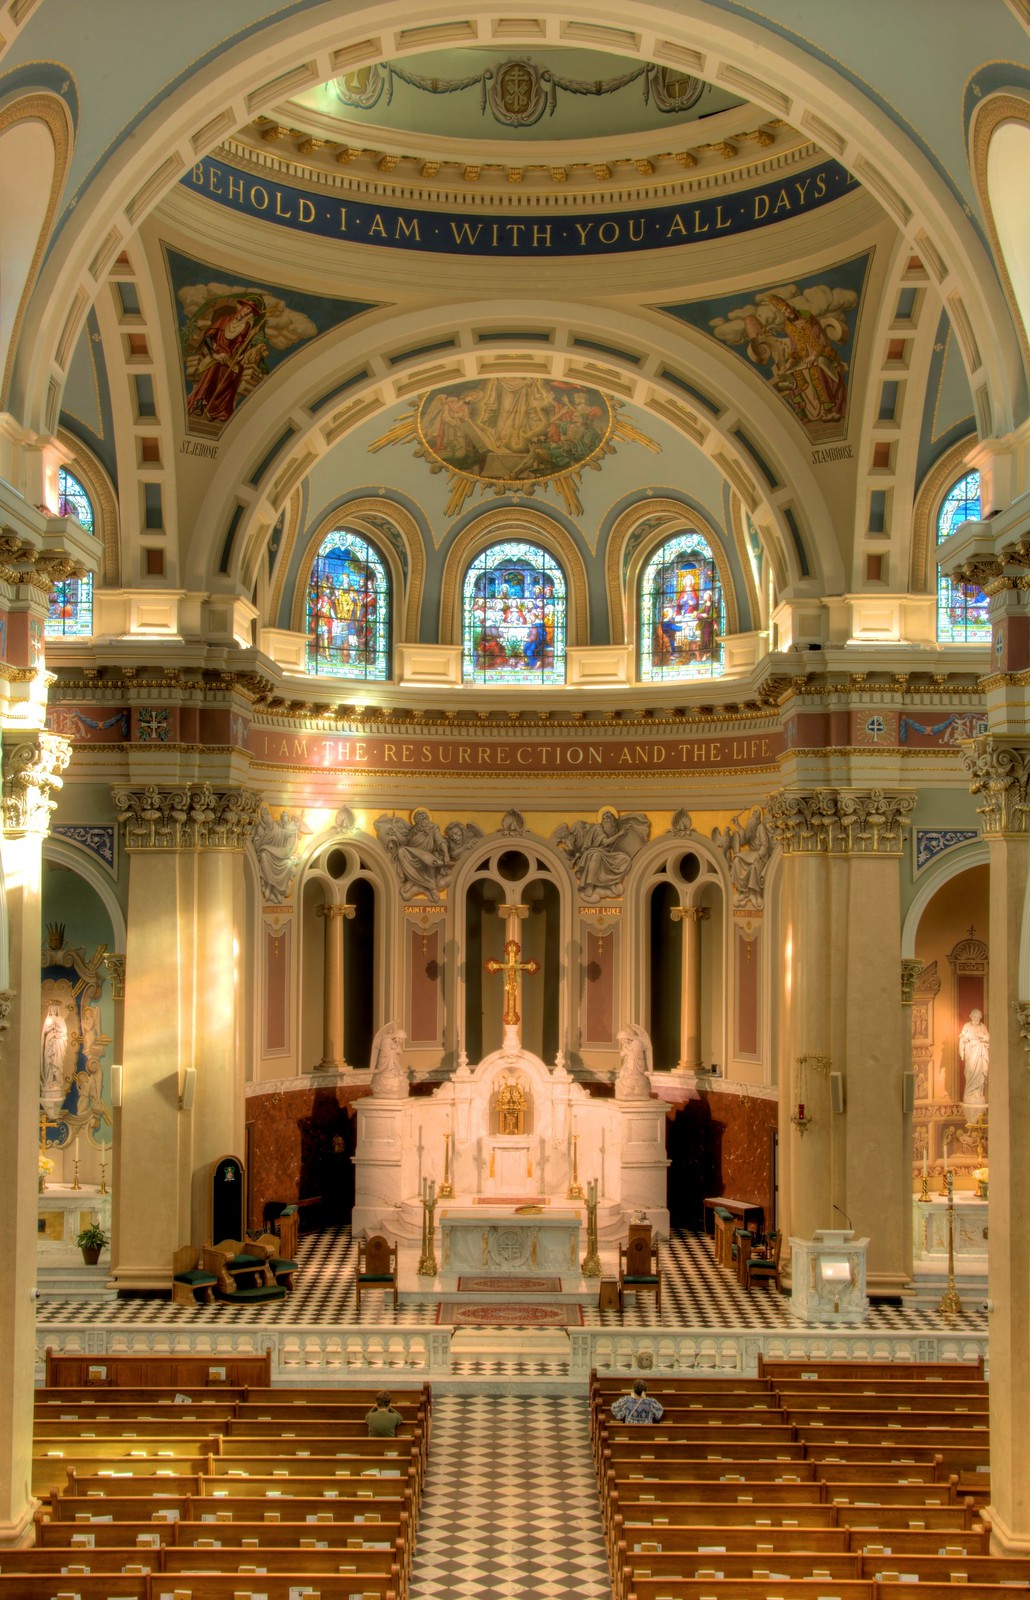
(513, 435)
(682, 611)
(348, 609)
(962, 608)
(513, 616)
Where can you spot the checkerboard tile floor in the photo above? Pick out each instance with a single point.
(510, 1506)
(695, 1294)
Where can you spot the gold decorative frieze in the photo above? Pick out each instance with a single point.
(839, 821)
(190, 817)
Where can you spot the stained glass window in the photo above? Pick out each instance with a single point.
(961, 607)
(513, 616)
(682, 611)
(348, 609)
(70, 613)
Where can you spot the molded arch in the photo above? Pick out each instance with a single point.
(84, 465)
(950, 865)
(999, 141)
(513, 522)
(623, 576)
(794, 84)
(67, 853)
(357, 513)
(35, 149)
(922, 578)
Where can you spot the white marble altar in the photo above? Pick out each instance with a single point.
(63, 1213)
(495, 1239)
(828, 1276)
(401, 1141)
(930, 1231)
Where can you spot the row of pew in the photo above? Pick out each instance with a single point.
(839, 1480)
(211, 1490)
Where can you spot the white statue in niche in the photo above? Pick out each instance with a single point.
(633, 1082)
(974, 1052)
(389, 1077)
(52, 1086)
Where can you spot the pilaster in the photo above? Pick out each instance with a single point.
(999, 774)
(846, 1157)
(33, 764)
(182, 1013)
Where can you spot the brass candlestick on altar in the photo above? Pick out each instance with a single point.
(103, 1170)
(427, 1267)
(75, 1181)
(446, 1190)
(591, 1266)
(575, 1187)
(951, 1305)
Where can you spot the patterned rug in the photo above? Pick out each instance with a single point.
(498, 1316)
(510, 1285)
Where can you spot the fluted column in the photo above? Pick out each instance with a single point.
(691, 918)
(32, 768)
(182, 1001)
(842, 1009)
(332, 986)
(999, 771)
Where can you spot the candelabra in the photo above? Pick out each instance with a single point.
(103, 1170)
(951, 1305)
(575, 1187)
(591, 1261)
(427, 1267)
(446, 1191)
(75, 1181)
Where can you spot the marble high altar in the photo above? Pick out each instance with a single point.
(520, 1133)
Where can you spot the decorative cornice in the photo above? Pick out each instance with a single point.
(910, 971)
(1000, 775)
(193, 817)
(840, 822)
(33, 768)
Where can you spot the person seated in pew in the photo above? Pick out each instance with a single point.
(383, 1420)
(638, 1406)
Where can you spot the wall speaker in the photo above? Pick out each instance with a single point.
(116, 1085)
(837, 1092)
(189, 1089)
(908, 1091)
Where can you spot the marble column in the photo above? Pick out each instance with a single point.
(999, 769)
(181, 1011)
(332, 987)
(32, 768)
(910, 970)
(841, 911)
(691, 918)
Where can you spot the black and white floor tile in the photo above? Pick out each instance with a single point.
(696, 1293)
(510, 1506)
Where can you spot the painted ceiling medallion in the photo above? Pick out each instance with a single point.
(513, 435)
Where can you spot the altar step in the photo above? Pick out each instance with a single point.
(509, 1361)
(74, 1281)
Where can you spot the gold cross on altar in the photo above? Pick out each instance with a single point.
(511, 966)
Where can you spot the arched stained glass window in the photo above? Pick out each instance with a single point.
(348, 609)
(513, 616)
(961, 607)
(682, 611)
(70, 614)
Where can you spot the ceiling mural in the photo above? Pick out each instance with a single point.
(514, 435)
(232, 335)
(796, 334)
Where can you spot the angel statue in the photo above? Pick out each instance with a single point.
(601, 852)
(424, 856)
(389, 1077)
(637, 1061)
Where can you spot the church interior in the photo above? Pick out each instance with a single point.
(515, 712)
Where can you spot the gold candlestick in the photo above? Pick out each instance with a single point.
(75, 1181)
(951, 1305)
(446, 1189)
(103, 1170)
(591, 1265)
(924, 1193)
(575, 1187)
(427, 1267)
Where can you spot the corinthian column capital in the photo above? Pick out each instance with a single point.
(33, 768)
(840, 821)
(192, 817)
(999, 773)
(910, 971)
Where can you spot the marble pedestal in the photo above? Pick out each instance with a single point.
(828, 1276)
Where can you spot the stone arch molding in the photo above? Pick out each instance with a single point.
(312, 47)
(651, 350)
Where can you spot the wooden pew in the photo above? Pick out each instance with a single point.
(359, 1563)
(178, 1371)
(52, 1471)
(886, 1421)
(962, 1453)
(101, 1429)
(924, 1397)
(776, 1368)
(140, 1480)
(948, 1569)
(947, 1591)
(37, 1586)
(754, 1589)
(115, 1506)
(64, 1535)
(882, 1517)
(744, 1539)
(975, 1541)
(276, 1586)
(52, 1563)
(749, 1564)
(105, 1401)
(347, 1506)
(624, 1461)
(757, 1516)
(391, 1534)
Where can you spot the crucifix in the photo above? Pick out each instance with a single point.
(511, 967)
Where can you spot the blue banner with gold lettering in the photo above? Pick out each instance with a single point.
(473, 234)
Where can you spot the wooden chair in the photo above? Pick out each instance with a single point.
(765, 1267)
(377, 1266)
(287, 1226)
(190, 1283)
(281, 1266)
(638, 1264)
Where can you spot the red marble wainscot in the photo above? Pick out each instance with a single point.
(720, 1143)
(299, 1148)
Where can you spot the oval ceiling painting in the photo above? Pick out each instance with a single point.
(513, 434)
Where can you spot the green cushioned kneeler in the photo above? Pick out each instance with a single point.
(263, 1292)
(376, 1277)
(244, 1262)
(627, 1279)
(278, 1264)
(196, 1278)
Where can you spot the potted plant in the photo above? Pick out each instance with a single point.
(91, 1241)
